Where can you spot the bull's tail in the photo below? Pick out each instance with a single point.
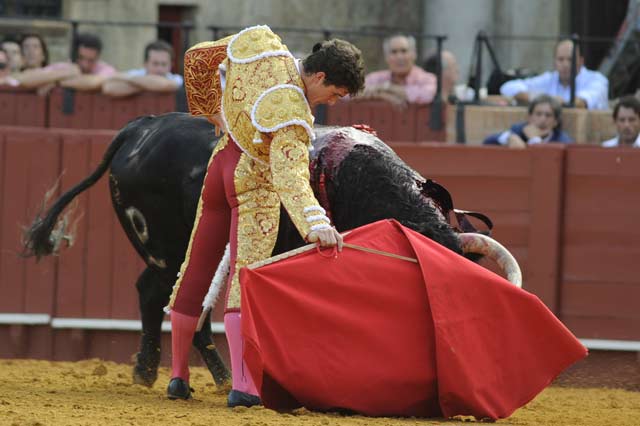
(41, 239)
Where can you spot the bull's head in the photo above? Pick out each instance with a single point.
(472, 241)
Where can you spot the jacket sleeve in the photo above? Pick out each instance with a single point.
(202, 77)
(595, 91)
(289, 161)
(537, 84)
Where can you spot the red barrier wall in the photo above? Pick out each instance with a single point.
(601, 243)
(410, 124)
(86, 110)
(22, 108)
(92, 110)
(29, 162)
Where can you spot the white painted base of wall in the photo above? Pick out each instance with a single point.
(218, 327)
(87, 323)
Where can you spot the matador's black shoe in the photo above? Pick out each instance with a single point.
(243, 399)
(178, 389)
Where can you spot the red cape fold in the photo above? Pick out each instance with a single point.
(384, 336)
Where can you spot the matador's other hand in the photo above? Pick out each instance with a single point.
(328, 237)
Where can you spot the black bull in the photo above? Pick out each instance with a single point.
(157, 169)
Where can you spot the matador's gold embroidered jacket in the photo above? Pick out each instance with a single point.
(267, 115)
(265, 111)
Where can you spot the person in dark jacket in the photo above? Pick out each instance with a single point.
(543, 125)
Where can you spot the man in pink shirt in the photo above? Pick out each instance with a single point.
(403, 82)
(86, 72)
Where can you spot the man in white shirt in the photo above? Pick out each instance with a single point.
(156, 75)
(626, 116)
(592, 88)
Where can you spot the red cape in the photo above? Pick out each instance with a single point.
(387, 337)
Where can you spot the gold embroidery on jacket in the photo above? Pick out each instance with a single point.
(201, 78)
(284, 105)
(290, 175)
(255, 42)
(245, 84)
(258, 217)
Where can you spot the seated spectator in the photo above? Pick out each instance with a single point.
(404, 81)
(451, 90)
(542, 126)
(5, 70)
(592, 88)
(156, 75)
(35, 54)
(86, 72)
(12, 47)
(626, 116)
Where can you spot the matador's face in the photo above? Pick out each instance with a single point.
(320, 93)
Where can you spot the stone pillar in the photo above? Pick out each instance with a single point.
(526, 18)
(460, 20)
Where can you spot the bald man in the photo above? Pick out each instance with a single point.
(451, 90)
(592, 88)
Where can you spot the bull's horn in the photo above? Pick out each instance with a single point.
(487, 246)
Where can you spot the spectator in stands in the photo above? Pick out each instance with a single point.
(592, 88)
(542, 126)
(12, 47)
(626, 116)
(403, 82)
(451, 90)
(85, 72)
(5, 70)
(34, 52)
(156, 75)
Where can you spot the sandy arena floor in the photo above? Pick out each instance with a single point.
(94, 392)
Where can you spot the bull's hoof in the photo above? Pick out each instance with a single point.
(144, 376)
(221, 376)
(237, 399)
(178, 389)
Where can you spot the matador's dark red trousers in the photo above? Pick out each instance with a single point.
(216, 223)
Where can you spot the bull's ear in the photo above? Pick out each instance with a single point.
(438, 194)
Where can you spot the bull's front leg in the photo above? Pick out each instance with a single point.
(153, 294)
(203, 341)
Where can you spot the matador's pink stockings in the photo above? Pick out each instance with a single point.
(241, 379)
(182, 329)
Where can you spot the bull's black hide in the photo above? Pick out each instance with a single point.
(157, 168)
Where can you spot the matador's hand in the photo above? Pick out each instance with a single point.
(328, 237)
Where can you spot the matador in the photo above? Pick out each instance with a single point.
(251, 85)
